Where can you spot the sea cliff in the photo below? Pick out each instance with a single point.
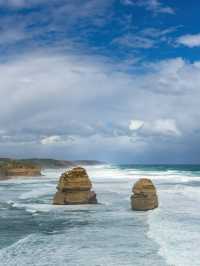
(15, 168)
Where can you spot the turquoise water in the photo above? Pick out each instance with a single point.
(34, 232)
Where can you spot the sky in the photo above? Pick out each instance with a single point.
(110, 80)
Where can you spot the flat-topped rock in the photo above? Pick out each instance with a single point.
(144, 196)
(15, 168)
(74, 187)
(75, 179)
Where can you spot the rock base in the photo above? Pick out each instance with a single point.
(74, 197)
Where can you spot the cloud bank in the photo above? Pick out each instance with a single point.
(97, 79)
(70, 106)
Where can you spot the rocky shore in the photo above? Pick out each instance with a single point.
(74, 187)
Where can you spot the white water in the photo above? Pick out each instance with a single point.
(107, 234)
(175, 225)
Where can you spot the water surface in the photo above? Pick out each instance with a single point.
(34, 232)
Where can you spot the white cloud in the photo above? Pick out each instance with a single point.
(135, 124)
(154, 6)
(157, 7)
(161, 33)
(189, 40)
(51, 140)
(146, 38)
(53, 96)
(134, 41)
(165, 127)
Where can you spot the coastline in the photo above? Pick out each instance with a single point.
(145, 238)
(62, 230)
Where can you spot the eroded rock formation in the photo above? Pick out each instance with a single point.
(74, 187)
(144, 196)
(14, 168)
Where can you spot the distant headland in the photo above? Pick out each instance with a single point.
(10, 168)
(32, 167)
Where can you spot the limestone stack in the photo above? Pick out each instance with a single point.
(14, 168)
(74, 187)
(144, 196)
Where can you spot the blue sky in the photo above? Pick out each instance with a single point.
(113, 80)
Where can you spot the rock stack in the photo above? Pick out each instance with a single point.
(74, 187)
(145, 196)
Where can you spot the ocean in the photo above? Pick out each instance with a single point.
(35, 232)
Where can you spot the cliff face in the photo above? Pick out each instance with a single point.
(74, 187)
(49, 163)
(23, 172)
(145, 196)
(13, 168)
